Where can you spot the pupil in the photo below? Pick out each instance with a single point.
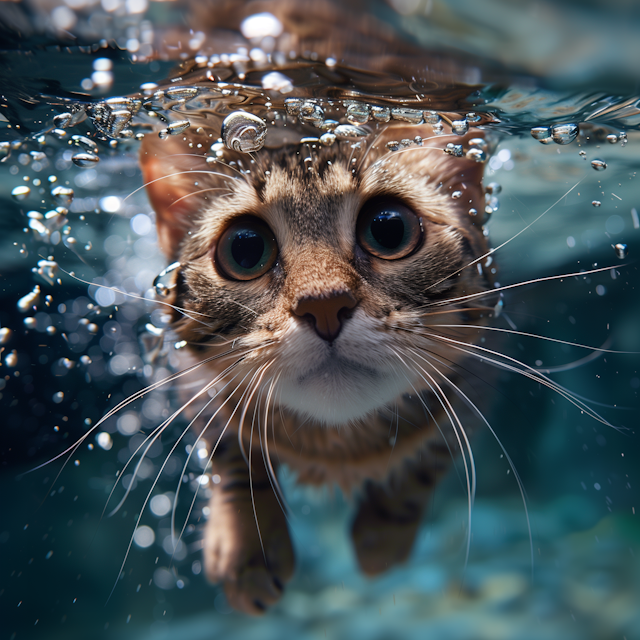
(247, 249)
(387, 228)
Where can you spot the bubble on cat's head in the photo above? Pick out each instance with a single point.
(244, 132)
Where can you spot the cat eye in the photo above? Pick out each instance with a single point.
(388, 229)
(246, 250)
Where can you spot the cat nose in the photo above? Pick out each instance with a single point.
(326, 311)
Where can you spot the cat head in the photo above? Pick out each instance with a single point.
(327, 268)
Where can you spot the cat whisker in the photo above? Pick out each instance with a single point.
(461, 435)
(511, 239)
(487, 292)
(461, 394)
(197, 193)
(534, 335)
(524, 370)
(135, 296)
(153, 486)
(177, 174)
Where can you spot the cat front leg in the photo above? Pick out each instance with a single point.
(249, 552)
(390, 513)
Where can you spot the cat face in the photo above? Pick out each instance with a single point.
(330, 274)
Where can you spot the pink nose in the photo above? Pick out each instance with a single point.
(326, 312)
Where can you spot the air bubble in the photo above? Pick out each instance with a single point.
(381, 114)
(292, 106)
(311, 113)
(327, 139)
(104, 440)
(29, 301)
(30, 323)
(85, 160)
(11, 359)
(181, 93)
(244, 132)
(349, 131)
(454, 150)
(20, 193)
(5, 335)
(407, 115)
(86, 143)
(612, 138)
(456, 195)
(493, 188)
(542, 134)
(358, 113)
(598, 165)
(178, 127)
(621, 250)
(58, 397)
(596, 203)
(564, 133)
(63, 195)
(166, 280)
(431, 117)
(477, 155)
(460, 127)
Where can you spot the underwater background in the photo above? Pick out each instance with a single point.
(71, 350)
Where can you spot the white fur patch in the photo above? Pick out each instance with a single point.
(335, 384)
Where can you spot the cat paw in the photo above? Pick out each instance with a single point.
(252, 579)
(382, 540)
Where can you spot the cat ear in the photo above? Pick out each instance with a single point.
(171, 172)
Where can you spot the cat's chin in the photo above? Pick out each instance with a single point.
(339, 393)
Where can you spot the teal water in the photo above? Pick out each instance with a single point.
(530, 65)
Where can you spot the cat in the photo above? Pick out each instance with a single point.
(314, 294)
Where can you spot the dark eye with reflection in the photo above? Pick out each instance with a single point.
(246, 250)
(388, 229)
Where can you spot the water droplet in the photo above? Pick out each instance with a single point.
(244, 132)
(30, 323)
(180, 345)
(599, 165)
(327, 139)
(583, 154)
(473, 117)
(48, 269)
(276, 81)
(51, 330)
(166, 280)
(407, 115)
(460, 127)
(12, 359)
(92, 327)
(621, 250)
(104, 440)
(84, 160)
(163, 134)
(29, 301)
(86, 143)
(431, 117)
(454, 150)
(63, 195)
(85, 360)
(358, 112)
(481, 143)
(542, 134)
(612, 138)
(181, 93)
(58, 397)
(381, 114)
(564, 133)
(21, 192)
(178, 127)
(493, 188)
(292, 106)
(349, 131)
(5, 335)
(456, 195)
(596, 203)
(473, 212)
(62, 119)
(478, 155)
(311, 113)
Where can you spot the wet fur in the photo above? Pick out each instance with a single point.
(369, 412)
